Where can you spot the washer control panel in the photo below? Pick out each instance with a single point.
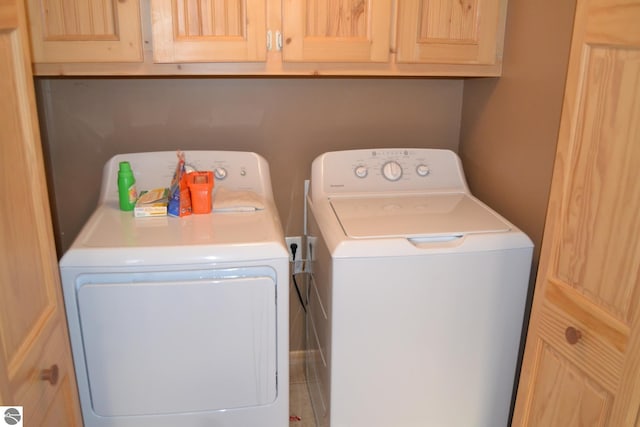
(392, 170)
(390, 164)
(376, 170)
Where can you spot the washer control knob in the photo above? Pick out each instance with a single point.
(392, 170)
(423, 170)
(220, 173)
(361, 171)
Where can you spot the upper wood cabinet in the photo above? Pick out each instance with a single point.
(237, 31)
(447, 31)
(85, 31)
(272, 37)
(336, 31)
(209, 30)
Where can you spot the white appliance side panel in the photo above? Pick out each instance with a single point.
(426, 341)
(223, 332)
(318, 350)
(318, 325)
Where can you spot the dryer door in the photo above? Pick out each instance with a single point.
(161, 343)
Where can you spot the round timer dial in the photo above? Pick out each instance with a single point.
(392, 170)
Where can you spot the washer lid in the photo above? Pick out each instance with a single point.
(415, 216)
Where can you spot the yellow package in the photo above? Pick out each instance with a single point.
(152, 203)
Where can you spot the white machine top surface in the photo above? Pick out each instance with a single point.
(415, 216)
(112, 237)
(384, 202)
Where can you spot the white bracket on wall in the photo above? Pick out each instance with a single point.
(304, 208)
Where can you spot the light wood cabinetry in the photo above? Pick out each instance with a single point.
(336, 31)
(582, 360)
(85, 31)
(209, 30)
(236, 31)
(295, 37)
(453, 32)
(36, 371)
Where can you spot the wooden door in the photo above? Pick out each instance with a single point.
(209, 30)
(85, 31)
(33, 333)
(582, 360)
(336, 31)
(450, 32)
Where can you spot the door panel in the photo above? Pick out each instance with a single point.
(209, 18)
(454, 32)
(447, 20)
(33, 335)
(572, 399)
(209, 30)
(66, 20)
(597, 246)
(85, 31)
(336, 31)
(585, 312)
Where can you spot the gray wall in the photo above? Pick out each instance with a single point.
(510, 125)
(287, 120)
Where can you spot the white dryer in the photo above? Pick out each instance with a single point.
(181, 321)
(416, 301)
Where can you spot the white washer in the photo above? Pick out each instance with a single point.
(416, 301)
(181, 321)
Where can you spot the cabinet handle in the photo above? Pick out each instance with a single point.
(572, 335)
(50, 374)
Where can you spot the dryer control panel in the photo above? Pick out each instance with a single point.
(352, 172)
(234, 170)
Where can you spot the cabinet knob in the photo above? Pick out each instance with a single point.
(572, 335)
(50, 374)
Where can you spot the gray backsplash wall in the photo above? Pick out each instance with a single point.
(289, 121)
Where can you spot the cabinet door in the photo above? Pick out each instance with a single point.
(85, 31)
(582, 359)
(336, 31)
(35, 359)
(209, 30)
(451, 32)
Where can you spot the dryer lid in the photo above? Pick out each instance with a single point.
(415, 216)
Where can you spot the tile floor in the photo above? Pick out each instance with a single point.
(300, 408)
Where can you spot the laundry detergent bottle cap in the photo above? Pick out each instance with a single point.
(127, 193)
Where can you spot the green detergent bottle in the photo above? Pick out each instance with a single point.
(126, 187)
